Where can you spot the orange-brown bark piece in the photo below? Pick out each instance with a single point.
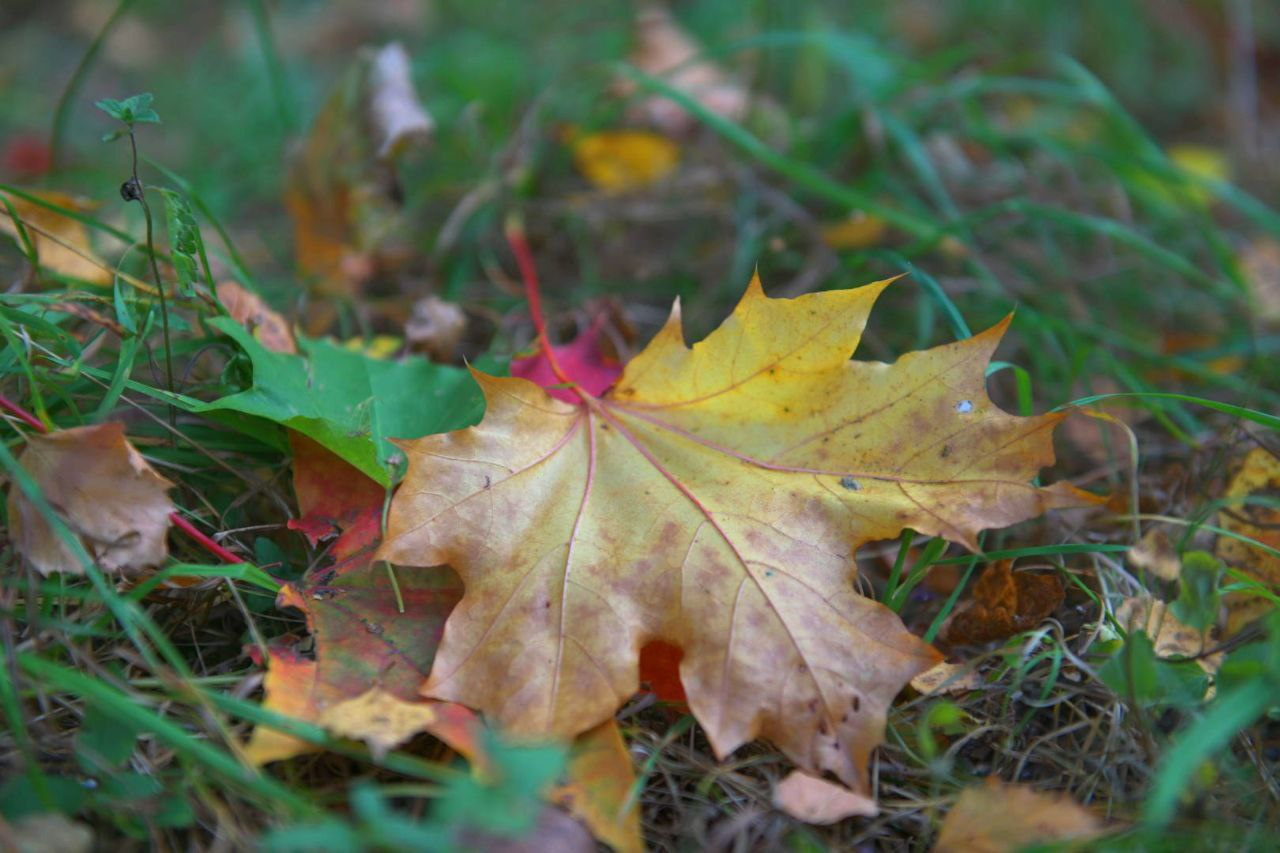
(1003, 603)
(110, 497)
(713, 499)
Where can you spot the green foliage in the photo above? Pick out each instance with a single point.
(186, 247)
(1199, 599)
(135, 109)
(349, 402)
(1137, 674)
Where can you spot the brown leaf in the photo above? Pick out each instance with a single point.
(1002, 604)
(1000, 818)
(251, 311)
(663, 49)
(1154, 553)
(62, 243)
(815, 800)
(436, 327)
(1258, 476)
(110, 497)
(598, 788)
(1169, 636)
(713, 499)
(954, 678)
(370, 653)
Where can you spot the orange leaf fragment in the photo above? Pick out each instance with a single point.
(1003, 604)
(713, 499)
(61, 243)
(251, 311)
(598, 788)
(815, 800)
(110, 497)
(1000, 818)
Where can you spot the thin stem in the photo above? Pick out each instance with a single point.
(533, 293)
(22, 414)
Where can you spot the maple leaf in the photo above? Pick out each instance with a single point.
(583, 359)
(110, 497)
(713, 499)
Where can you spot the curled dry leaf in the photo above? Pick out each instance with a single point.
(110, 497)
(251, 311)
(815, 800)
(954, 678)
(663, 49)
(397, 116)
(1000, 818)
(1003, 603)
(1258, 476)
(436, 327)
(62, 243)
(713, 500)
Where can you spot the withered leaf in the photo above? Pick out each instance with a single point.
(1003, 603)
(713, 500)
(1000, 818)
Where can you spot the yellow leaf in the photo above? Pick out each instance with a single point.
(62, 243)
(621, 160)
(598, 788)
(110, 497)
(1259, 474)
(380, 719)
(857, 232)
(1000, 818)
(713, 500)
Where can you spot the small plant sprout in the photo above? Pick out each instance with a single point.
(136, 109)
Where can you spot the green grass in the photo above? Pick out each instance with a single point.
(1031, 180)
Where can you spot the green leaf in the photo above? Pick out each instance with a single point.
(508, 802)
(185, 244)
(1137, 674)
(350, 403)
(135, 109)
(1198, 596)
(105, 740)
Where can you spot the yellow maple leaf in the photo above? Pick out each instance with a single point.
(713, 500)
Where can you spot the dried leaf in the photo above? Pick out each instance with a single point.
(859, 231)
(815, 800)
(384, 721)
(1169, 637)
(953, 678)
(598, 788)
(110, 497)
(49, 832)
(367, 646)
(1002, 604)
(436, 327)
(623, 160)
(663, 49)
(251, 311)
(1258, 476)
(1154, 553)
(62, 243)
(397, 116)
(1001, 818)
(713, 500)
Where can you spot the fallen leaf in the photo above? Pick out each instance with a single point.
(1258, 476)
(1169, 637)
(110, 497)
(251, 311)
(598, 788)
(384, 721)
(435, 327)
(1000, 818)
(859, 231)
(374, 638)
(62, 243)
(663, 49)
(582, 359)
(1003, 603)
(341, 190)
(815, 800)
(713, 499)
(349, 402)
(49, 832)
(1154, 553)
(623, 160)
(660, 669)
(953, 678)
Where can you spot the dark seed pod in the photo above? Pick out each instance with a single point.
(131, 190)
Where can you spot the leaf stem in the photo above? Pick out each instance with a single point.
(22, 414)
(514, 231)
